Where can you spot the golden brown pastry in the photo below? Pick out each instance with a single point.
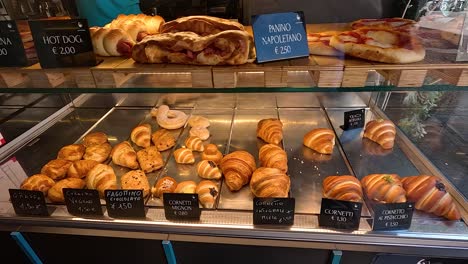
(272, 156)
(186, 187)
(141, 135)
(321, 140)
(111, 42)
(384, 188)
(94, 138)
(270, 182)
(152, 23)
(194, 143)
(38, 182)
(163, 139)
(270, 130)
(101, 178)
(99, 153)
(164, 185)
(80, 168)
(237, 168)
(212, 153)
(184, 156)
(382, 132)
(202, 25)
(207, 169)
(150, 159)
(71, 152)
(345, 188)
(429, 195)
(56, 169)
(55, 193)
(207, 192)
(135, 180)
(124, 155)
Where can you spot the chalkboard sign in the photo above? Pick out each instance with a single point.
(82, 202)
(273, 211)
(280, 36)
(354, 119)
(12, 52)
(392, 216)
(340, 214)
(125, 203)
(63, 43)
(181, 206)
(28, 202)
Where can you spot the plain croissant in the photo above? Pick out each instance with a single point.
(111, 42)
(141, 135)
(382, 132)
(80, 168)
(272, 156)
(237, 168)
(194, 143)
(184, 156)
(384, 188)
(207, 169)
(124, 155)
(207, 192)
(101, 178)
(270, 182)
(270, 130)
(345, 188)
(321, 140)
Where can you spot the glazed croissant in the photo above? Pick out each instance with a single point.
(194, 143)
(272, 156)
(80, 168)
(38, 182)
(101, 178)
(94, 138)
(71, 152)
(321, 140)
(237, 168)
(382, 132)
(111, 42)
(212, 153)
(55, 194)
(207, 169)
(184, 156)
(270, 130)
(270, 182)
(98, 153)
(124, 155)
(207, 192)
(429, 195)
(345, 188)
(384, 188)
(141, 135)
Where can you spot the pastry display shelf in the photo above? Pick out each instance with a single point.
(233, 224)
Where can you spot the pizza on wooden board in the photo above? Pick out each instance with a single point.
(398, 24)
(382, 45)
(319, 43)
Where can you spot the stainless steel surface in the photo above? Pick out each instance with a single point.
(298, 100)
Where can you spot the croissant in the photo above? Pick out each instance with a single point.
(55, 193)
(321, 140)
(135, 180)
(272, 156)
(137, 30)
(429, 195)
(150, 159)
(186, 187)
(207, 169)
(212, 153)
(164, 185)
(94, 138)
(194, 143)
(382, 132)
(124, 155)
(152, 23)
(163, 139)
(101, 178)
(270, 130)
(384, 188)
(80, 168)
(38, 182)
(71, 152)
(141, 135)
(237, 168)
(184, 156)
(207, 192)
(56, 169)
(98, 153)
(111, 42)
(270, 182)
(345, 188)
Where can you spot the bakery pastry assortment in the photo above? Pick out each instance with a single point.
(270, 182)
(382, 132)
(141, 135)
(322, 140)
(384, 188)
(270, 130)
(344, 188)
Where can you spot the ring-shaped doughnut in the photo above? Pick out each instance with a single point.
(170, 119)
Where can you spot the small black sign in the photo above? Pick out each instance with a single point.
(125, 203)
(181, 206)
(340, 214)
(274, 211)
(392, 216)
(63, 43)
(28, 202)
(82, 202)
(12, 52)
(354, 119)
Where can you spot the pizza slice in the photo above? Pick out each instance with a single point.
(397, 24)
(319, 43)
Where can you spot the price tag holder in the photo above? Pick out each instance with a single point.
(63, 43)
(354, 119)
(82, 202)
(181, 206)
(274, 211)
(125, 203)
(12, 52)
(340, 214)
(31, 203)
(394, 216)
(280, 36)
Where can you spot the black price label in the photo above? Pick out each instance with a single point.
(273, 211)
(82, 202)
(63, 43)
(354, 119)
(125, 203)
(181, 206)
(340, 214)
(392, 216)
(12, 52)
(28, 202)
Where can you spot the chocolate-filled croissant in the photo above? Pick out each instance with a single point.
(237, 168)
(384, 188)
(207, 169)
(272, 156)
(270, 130)
(270, 182)
(207, 192)
(345, 188)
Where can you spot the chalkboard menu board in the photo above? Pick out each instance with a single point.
(274, 211)
(392, 216)
(180, 206)
(12, 52)
(125, 203)
(354, 119)
(340, 214)
(28, 202)
(82, 202)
